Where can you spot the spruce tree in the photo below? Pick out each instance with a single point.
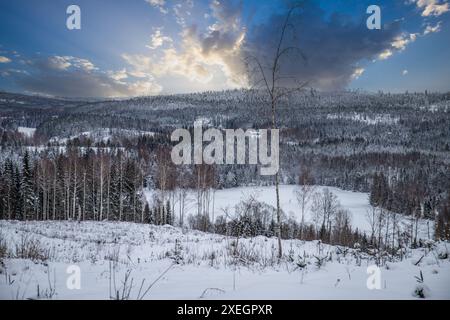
(26, 188)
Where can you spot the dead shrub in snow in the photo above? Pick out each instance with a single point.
(31, 248)
(3, 248)
(113, 254)
(50, 291)
(123, 292)
(246, 254)
(212, 257)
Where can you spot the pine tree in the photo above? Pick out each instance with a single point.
(8, 189)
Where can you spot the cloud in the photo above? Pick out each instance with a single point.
(432, 7)
(187, 63)
(160, 4)
(179, 14)
(9, 72)
(404, 72)
(398, 44)
(334, 46)
(118, 75)
(158, 39)
(385, 54)
(64, 63)
(227, 14)
(69, 76)
(432, 29)
(156, 2)
(4, 59)
(358, 73)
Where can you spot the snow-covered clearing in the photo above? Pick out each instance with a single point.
(197, 265)
(370, 120)
(356, 202)
(29, 132)
(102, 135)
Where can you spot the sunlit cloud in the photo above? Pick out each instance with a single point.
(432, 7)
(432, 29)
(398, 44)
(358, 73)
(385, 54)
(118, 75)
(4, 59)
(402, 41)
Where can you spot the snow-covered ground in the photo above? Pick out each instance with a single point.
(42, 256)
(356, 202)
(371, 120)
(102, 135)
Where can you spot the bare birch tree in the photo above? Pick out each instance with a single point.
(304, 192)
(268, 77)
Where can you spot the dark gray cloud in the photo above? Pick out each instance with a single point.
(334, 45)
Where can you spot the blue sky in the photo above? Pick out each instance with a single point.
(140, 47)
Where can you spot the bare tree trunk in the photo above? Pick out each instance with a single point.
(84, 195)
(101, 188)
(120, 190)
(68, 195)
(108, 195)
(54, 190)
(394, 222)
(213, 208)
(74, 190)
(277, 182)
(198, 194)
(94, 215)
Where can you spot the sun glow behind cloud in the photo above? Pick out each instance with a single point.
(200, 54)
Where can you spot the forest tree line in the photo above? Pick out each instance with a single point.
(72, 186)
(109, 184)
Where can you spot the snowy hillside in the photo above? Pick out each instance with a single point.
(139, 261)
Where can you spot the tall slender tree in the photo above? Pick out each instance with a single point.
(267, 75)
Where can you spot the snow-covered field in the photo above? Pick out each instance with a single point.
(371, 120)
(102, 135)
(128, 260)
(355, 202)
